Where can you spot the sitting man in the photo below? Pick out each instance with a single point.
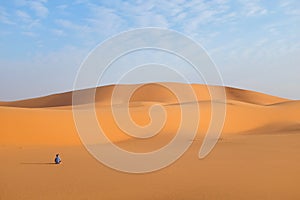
(57, 159)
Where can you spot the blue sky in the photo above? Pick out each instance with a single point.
(254, 43)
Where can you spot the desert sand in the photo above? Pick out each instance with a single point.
(257, 156)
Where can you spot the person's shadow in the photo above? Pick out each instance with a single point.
(37, 163)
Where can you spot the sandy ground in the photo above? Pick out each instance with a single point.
(257, 156)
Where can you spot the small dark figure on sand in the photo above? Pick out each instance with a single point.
(57, 159)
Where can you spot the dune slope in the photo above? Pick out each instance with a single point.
(148, 92)
(257, 156)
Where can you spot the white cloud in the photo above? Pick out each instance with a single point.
(183, 15)
(58, 32)
(105, 21)
(151, 19)
(291, 7)
(4, 16)
(70, 25)
(62, 8)
(39, 8)
(23, 16)
(27, 20)
(220, 25)
(253, 8)
(29, 33)
(79, 31)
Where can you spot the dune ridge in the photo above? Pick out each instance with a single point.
(49, 120)
(148, 92)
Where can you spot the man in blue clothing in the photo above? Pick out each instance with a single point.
(57, 159)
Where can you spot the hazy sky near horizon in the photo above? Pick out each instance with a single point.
(254, 43)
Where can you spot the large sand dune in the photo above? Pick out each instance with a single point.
(257, 156)
(149, 92)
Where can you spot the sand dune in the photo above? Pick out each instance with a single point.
(51, 122)
(149, 92)
(257, 156)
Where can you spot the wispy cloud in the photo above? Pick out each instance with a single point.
(23, 16)
(58, 32)
(29, 33)
(100, 15)
(291, 7)
(78, 29)
(242, 35)
(27, 21)
(4, 16)
(253, 8)
(39, 8)
(62, 8)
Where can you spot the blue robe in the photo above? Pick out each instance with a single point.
(57, 160)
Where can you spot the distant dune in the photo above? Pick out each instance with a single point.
(49, 120)
(257, 156)
(149, 92)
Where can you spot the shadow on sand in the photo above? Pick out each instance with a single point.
(37, 163)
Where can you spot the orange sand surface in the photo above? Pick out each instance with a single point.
(257, 156)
